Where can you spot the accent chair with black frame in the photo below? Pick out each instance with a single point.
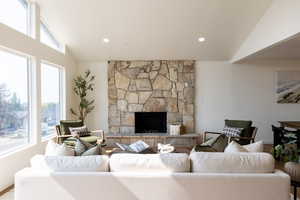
(64, 135)
(247, 136)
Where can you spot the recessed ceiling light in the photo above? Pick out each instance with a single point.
(105, 40)
(201, 39)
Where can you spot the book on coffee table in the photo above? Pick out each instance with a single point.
(136, 147)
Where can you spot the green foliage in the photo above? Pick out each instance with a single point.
(12, 112)
(286, 153)
(83, 85)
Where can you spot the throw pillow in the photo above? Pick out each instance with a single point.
(232, 131)
(83, 148)
(79, 131)
(234, 147)
(255, 147)
(96, 150)
(54, 149)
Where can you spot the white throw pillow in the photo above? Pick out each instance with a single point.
(234, 147)
(71, 163)
(54, 149)
(255, 147)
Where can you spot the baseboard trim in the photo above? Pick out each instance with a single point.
(6, 190)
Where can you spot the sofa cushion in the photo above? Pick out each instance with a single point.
(232, 162)
(169, 162)
(71, 163)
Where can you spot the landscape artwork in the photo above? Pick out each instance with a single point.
(288, 87)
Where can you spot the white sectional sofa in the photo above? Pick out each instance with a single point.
(207, 176)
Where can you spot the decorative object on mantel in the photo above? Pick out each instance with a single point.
(150, 86)
(175, 129)
(83, 85)
(288, 87)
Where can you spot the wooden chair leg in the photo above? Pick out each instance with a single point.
(295, 192)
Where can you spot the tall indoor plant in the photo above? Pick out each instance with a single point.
(84, 84)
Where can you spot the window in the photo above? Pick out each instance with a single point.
(14, 102)
(48, 38)
(52, 104)
(14, 14)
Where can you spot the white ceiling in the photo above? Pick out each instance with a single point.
(288, 49)
(152, 29)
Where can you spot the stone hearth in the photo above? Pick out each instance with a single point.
(150, 86)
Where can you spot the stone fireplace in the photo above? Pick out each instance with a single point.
(150, 86)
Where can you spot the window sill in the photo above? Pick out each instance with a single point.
(16, 150)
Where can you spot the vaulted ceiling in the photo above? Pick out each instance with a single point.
(152, 29)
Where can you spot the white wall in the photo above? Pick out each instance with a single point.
(98, 119)
(13, 40)
(280, 22)
(223, 90)
(243, 91)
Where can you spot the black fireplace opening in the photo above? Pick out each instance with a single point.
(150, 122)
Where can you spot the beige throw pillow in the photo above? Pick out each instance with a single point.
(234, 147)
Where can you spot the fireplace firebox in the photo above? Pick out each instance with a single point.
(150, 122)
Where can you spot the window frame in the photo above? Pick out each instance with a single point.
(30, 109)
(62, 95)
(45, 27)
(26, 4)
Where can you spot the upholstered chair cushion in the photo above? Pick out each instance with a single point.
(71, 141)
(66, 124)
(216, 144)
(246, 125)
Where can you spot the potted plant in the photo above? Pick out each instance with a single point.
(83, 85)
(286, 153)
